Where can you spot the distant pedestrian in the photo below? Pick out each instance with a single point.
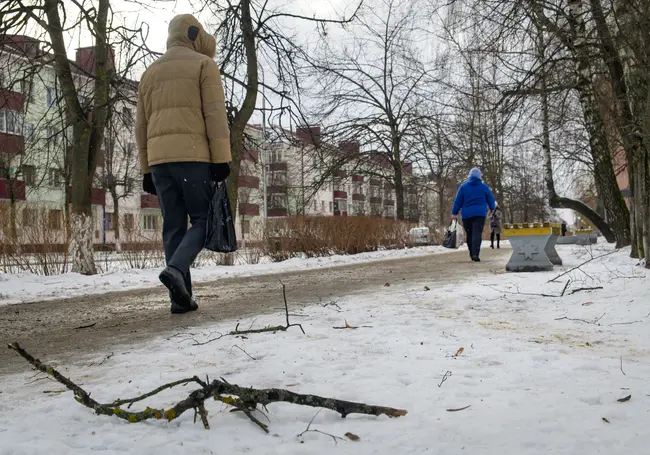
(564, 223)
(473, 200)
(495, 227)
(184, 144)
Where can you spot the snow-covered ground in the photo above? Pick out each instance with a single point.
(25, 287)
(541, 374)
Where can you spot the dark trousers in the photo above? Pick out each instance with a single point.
(184, 190)
(498, 236)
(474, 233)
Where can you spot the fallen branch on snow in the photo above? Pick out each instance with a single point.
(580, 265)
(277, 328)
(594, 322)
(242, 399)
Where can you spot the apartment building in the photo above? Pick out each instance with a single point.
(283, 173)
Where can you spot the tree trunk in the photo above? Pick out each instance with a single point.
(116, 219)
(626, 122)
(243, 115)
(617, 212)
(88, 134)
(555, 200)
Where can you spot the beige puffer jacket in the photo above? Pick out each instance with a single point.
(181, 112)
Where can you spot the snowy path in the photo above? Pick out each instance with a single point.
(136, 316)
(536, 384)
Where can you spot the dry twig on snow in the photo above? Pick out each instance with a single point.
(241, 398)
(584, 263)
(277, 328)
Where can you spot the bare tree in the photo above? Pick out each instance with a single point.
(372, 87)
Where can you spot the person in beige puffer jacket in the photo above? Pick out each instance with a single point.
(184, 146)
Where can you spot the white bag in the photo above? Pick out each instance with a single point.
(460, 235)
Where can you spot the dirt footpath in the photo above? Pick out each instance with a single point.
(60, 330)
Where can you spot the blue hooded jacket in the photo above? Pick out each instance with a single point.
(473, 199)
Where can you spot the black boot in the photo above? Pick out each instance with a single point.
(174, 280)
(178, 309)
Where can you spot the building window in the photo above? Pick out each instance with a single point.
(55, 219)
(29, 217)
(109, 221)
(52, 132)
(388, 192)
(331, 207)
(29, 131)
(340, 205)
(51, 96)
(277, 201)
(278, 178)
(128, 221)
(275, 156)
(390, 211)
(375, 209)
(29, 175)
(11, 122)
(375, 191)
(337, 184)
(246, 227)
(27, 87)
(322, 206)
(150, 222)
(54, 177)
(358, 208)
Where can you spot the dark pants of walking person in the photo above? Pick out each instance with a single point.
(474, 233)
(184, 190)
(498, 236)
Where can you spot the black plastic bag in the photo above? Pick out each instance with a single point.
(220, 235)
(449, 241)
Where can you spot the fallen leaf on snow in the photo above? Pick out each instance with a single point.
(352, 436)
(605, 420)
(458, 409)
(292, 385)
(387, 285)
(587, 303)
(459, 352)
(427, 288)
(624, 399)
(348, 326)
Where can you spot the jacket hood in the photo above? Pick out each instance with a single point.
(473, 180)
(186, 31)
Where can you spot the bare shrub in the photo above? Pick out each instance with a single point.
(324, 236)
(142, 251)
(32, 240)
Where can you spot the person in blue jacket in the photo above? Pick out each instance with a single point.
(473, 200)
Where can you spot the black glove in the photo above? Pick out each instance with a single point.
(219, 171)
(147, 184)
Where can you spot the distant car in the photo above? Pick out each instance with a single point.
(420, 236)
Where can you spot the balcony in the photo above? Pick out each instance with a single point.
(357, 178)
(149, 201)
(339, 174)
(249, 209)
(389, 203)
(248, 181)
(98, 196)
(375, 200)
(17, 186)
(358, 197)
(13, 101)
(277, 167)
(12, 144)
(277, 212)
(340, 194)
(276, 189)
(250, 155)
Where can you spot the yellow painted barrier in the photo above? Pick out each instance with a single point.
(516, 230)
